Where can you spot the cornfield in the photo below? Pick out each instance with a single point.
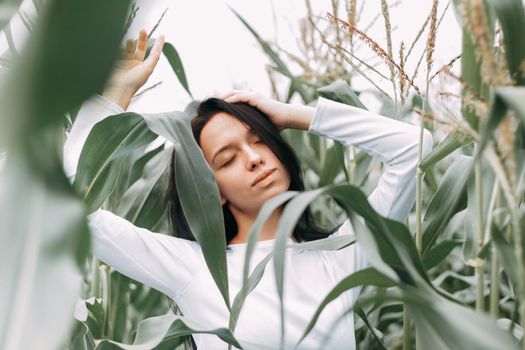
(451, 277)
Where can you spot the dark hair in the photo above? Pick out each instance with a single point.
(306, 228)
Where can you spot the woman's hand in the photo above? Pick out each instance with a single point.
(132, 71)
(277, 111)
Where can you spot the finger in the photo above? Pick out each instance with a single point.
(127, 52)
(227, 94)
(142, 46)
(241, 97)
(155, 53)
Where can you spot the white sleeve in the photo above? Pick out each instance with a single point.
(163, 262)
(92, 111)
(393, 142)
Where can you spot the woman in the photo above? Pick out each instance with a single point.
(251, 164)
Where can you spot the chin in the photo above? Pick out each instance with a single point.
(276, 190)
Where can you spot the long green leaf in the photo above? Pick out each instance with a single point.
(295, 85)
(330, 167)
(505, 99)
(42, 231)
(7, 10)
(445, 201)
(253, 237)
(176, 64)
(397, 249)
(439, 252)
(511, 16)
(198, 192)
(367, 276)
(446, 325)
(143, 203)
(68, 58)
(153, 330)
(451, 143)
(359, 311)
(470, 70)
(110, 139)
(341, 91)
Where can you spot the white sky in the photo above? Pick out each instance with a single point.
(218, 53)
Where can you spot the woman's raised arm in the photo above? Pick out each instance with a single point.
(394, 143)
(165, 263)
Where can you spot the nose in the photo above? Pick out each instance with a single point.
(254, 158)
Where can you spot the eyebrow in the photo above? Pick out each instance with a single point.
(228, 146)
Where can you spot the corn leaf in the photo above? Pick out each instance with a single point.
(451, 143)
(65, 48)
(153, 330)
(7, 10)
(505, 99)
(444, 203)
(73, 41)
(511, 16)
(295, 84)
(367, 276)
(144, 202)
(198, 192)
(439, 252)
(110, 139)
(176, 64)
(43, 231)
(341, 91)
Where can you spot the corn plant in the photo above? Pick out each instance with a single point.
(432, 273)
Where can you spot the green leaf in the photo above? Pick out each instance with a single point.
(253, 237)
(138, 165)
(439, 252)
(443, 324)
(364, 277)
(392, 241)
(176, 64)
(198, 192)
(7, 10)
(330, 168)
(444, 203)
(341, 91)
(68, 58)
(451, 143)
(144, 202)
(153, 330)
(295, 85)
(110, 139)
(505, 253)
(511, 16)
(81, 338)
(505, 99)
(45, 239)
(359, 311)
(471, 75)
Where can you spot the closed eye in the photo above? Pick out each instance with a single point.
(229, 161)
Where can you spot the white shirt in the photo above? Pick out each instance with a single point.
(176, 267)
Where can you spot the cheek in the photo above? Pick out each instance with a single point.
(227, 181)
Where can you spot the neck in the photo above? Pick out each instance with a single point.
(245, 221)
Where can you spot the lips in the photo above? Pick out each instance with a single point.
(263, 175)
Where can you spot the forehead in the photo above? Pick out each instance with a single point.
(221, 129)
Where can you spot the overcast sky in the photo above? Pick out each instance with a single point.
(218, 53)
